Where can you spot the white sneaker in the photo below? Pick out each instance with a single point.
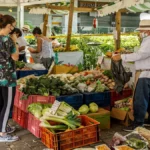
(8, 138)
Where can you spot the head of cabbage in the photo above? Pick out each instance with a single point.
(84, 109)
(93, 107)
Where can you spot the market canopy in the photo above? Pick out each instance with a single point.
(117, 5)
(15, 3)
(140, 8)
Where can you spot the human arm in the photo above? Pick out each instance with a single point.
(14, 48)
(143, 53)
(39, 47)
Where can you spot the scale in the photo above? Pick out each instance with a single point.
(93, 44)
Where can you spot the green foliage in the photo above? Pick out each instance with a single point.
(20, 64)
(31, 41)
(91, 53)
(46, 86)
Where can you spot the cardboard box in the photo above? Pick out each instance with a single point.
(125, 117)
(102, 116)
(59, 69)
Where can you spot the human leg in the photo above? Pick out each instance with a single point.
(7, 97)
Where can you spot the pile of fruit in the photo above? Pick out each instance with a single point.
(63, 49)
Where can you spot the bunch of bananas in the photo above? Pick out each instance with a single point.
(60, 49)
(74, 48)
(63, 49)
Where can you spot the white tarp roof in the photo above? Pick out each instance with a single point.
(11, 3)
(14, 3)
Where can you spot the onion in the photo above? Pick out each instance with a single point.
(113, 83)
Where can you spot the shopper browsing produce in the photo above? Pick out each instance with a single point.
(21, 44)
(44, 46)
(141, 59)
(8, 54)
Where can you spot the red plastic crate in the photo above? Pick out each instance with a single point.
(14, 114)
(23, 104)
(33, 125)
(20, 117)
(116, 96)
(17, 97)
(72, 139)
(43, 99)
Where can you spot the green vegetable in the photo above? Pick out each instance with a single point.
(45, 111)
(84, 109)
(20, 64)
(35, 109)
(38, 109)
(100, 87)
(136, 143)
(108, 73)
(46, 86)
(46, 124)
(70, 120)
(65, 108)
(93, 107)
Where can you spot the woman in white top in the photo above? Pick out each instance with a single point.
(44, 46)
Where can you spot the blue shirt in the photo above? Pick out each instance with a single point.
(8, 75)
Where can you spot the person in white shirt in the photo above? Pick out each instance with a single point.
(44, 47)
(21, 45)
(142, 65)
(25, 30)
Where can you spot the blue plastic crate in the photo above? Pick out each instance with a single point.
(23, 73)
(75, 100)
(101, 99)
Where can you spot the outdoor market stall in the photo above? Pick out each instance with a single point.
(79, 97)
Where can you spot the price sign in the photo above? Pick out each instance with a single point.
(55, 106)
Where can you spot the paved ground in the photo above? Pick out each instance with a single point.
(30, 142)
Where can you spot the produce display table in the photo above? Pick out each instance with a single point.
(23, 73)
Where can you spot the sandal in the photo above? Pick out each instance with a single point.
(10, 129)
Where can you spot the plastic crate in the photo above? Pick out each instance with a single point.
(89, 134)
(75, 100)
(20, 117)
(17, 97)
(23, 73)
(101, 99)
(116, 96)
(33, 125)
(43, 99)
(23, 104)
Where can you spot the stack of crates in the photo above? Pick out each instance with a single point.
(20, 112)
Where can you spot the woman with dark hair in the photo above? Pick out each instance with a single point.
(44, 46)
(21, 44)
(8, 55)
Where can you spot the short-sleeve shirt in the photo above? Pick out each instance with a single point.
(21, 42)
(8, 75)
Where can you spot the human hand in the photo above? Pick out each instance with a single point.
(116, 57)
